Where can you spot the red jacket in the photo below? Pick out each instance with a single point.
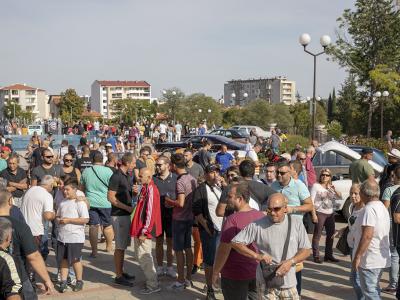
(147, 215)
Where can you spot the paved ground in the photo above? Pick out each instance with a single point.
(326, 281)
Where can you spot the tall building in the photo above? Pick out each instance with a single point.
(104, 92)
(274, 90)
(29, 98)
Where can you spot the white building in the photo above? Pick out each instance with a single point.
(29, 98)
(104, 92)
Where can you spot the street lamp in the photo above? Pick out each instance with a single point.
(304, 40)
(245, 95)
(378, 95)
(233, 96)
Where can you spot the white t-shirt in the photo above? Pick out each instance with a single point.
(163, 128)
(354, 215)
(252, 155)
(323, 199)
(376, 215)
(213, 198)
(178, 128)
(72, 233)
(36, 202)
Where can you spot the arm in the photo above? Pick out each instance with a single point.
(220, 210)
(307, 206)
(78, 175)
(221, 257)
(47, 215)
(75, 221)
(396, 218)
(386, 203)
(38, 265)
(111, 195)
(366, 237)
(286, 265)
(34, 182)
(179, 202)
(22, 185)
(245, 251)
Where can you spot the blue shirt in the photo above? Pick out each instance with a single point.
(296, 192)
(113, 142)
(224, 159)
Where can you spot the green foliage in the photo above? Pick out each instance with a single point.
(131, 110)
(335, 129)
(173, 104)
(292, 141)
(302, 117)
(8, 111)
(71, 106)
(199, 107)
(386, 78)
(232, 116)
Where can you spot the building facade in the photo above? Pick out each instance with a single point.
(29, 98)
(104, 92)
(274, 90)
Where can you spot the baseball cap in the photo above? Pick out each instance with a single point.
(367, 151)
(108, 145)
(286, 156)
(394, 153)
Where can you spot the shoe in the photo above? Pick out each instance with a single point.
(188, 283)
(171, 272)
(149, 290)
(210, 295)
(160, 271)
(331, 258)
(195, 269)
(78, 286)
(92, 255)
(177, 286)
(63, 287)
(317, 260)
(389, 290)
(55, 277)
(123, 281)
(71, 281)
(128, 276)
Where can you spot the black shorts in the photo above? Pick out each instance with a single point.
(166, 220)
(181, 235)
(100, 216)
(72, 252)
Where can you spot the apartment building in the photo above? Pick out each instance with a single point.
(104, 92)
(274, 90)
(29, 98)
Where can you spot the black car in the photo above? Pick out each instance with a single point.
(234, 134)
(196, 140)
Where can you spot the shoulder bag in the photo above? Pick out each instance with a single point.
(269, 271)
(98, 177)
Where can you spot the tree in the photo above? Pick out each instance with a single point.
(329, 110)
(302, 117)
(334, 129)
(130, 111)
(282, 116)
(199, 107)
(367, 37)
(172, 99)
(71, 106)
(13, 110)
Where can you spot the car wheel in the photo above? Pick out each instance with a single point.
(346, 209)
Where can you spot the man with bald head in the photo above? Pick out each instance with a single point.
(371, 251)
(145, 223)
(267, 234)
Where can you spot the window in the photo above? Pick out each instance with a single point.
(228, 134)
(330, 158)
(104, 107)
(14, 92)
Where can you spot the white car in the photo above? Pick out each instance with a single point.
(38, 128)
(248, 128)
(338, 157)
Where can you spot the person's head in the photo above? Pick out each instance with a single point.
(270, 172)
(70, 188)
(396, 172)
(188, 155)
(224, 148)
(232, 172)
(367, 153)
(97, 158)
(389, 132)
(283, 174)
(212, 173)
(206, 144)
(301, 156)
(310, 151)
(128, 161)
(257, 148)
(5, 152)
(84, 134)
(295, 168)
(13, 162)
(85, 150)
(47, 183)
(369, 191)
(64, 143)
(238, 195)
(112, 159)
(45, 143)
(47, 157)
(314, 143)
(144, 153)
(68, 160)
(145, 176)
(162, 165)
(9, 141)
(178, 161)
(5, 233)
(325, 176)
(277, 207)
(6, 199)
(355, 193)
(247, 168)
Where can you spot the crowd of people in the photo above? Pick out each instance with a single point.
(248, 232)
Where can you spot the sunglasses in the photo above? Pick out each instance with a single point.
(325, 175)
(231, 175)
(159, 165)
(274, 209)
(68, 160)
(145, 154)
(49, 156)
(302, 158)
(281, 173)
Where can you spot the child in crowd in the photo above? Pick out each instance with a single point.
(72, 215)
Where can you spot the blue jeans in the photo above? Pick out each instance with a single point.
(369, 280)
(355, 280)
(394, 268)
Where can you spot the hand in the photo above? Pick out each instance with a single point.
(142, 238)
(130, 209)
(135, 189)
(215, 277)
(284, 268)
(290, 209)
(356, 263)
(49, 287)
(314, 219)
(64, 221)
(264, 257)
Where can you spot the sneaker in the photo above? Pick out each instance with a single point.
(188, 283)
(171, 272)
(123, 281)
(78, 286)
(63, 287)
(128, 276)
(177, 286)
(389, 290)
(160, 271)
(149, 290)
(55, 277)
(210, 295)
(71, 280)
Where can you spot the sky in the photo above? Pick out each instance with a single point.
(194, 45)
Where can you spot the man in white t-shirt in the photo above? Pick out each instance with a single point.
(37, 207)
(163, 128)
(178, 132)
(371, 252)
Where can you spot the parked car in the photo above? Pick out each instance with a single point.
(247, 128)
(234, 134)
(338, 157)
(196, 140)
(38, 128)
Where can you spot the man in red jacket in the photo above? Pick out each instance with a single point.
(145, 223)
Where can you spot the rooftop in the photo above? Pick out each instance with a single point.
(141, 83)
(19, 86)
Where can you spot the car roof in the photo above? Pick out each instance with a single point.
(223, 139)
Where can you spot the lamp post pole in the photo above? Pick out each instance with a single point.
(304, 40)
(381, 97)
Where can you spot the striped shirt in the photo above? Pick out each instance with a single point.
(10, 283)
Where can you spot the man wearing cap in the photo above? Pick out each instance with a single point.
(360, 169)
(5, 154)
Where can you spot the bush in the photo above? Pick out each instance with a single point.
(335, 129)
(290, 144)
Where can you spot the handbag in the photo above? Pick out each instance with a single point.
(342, 245)
(269, 270)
